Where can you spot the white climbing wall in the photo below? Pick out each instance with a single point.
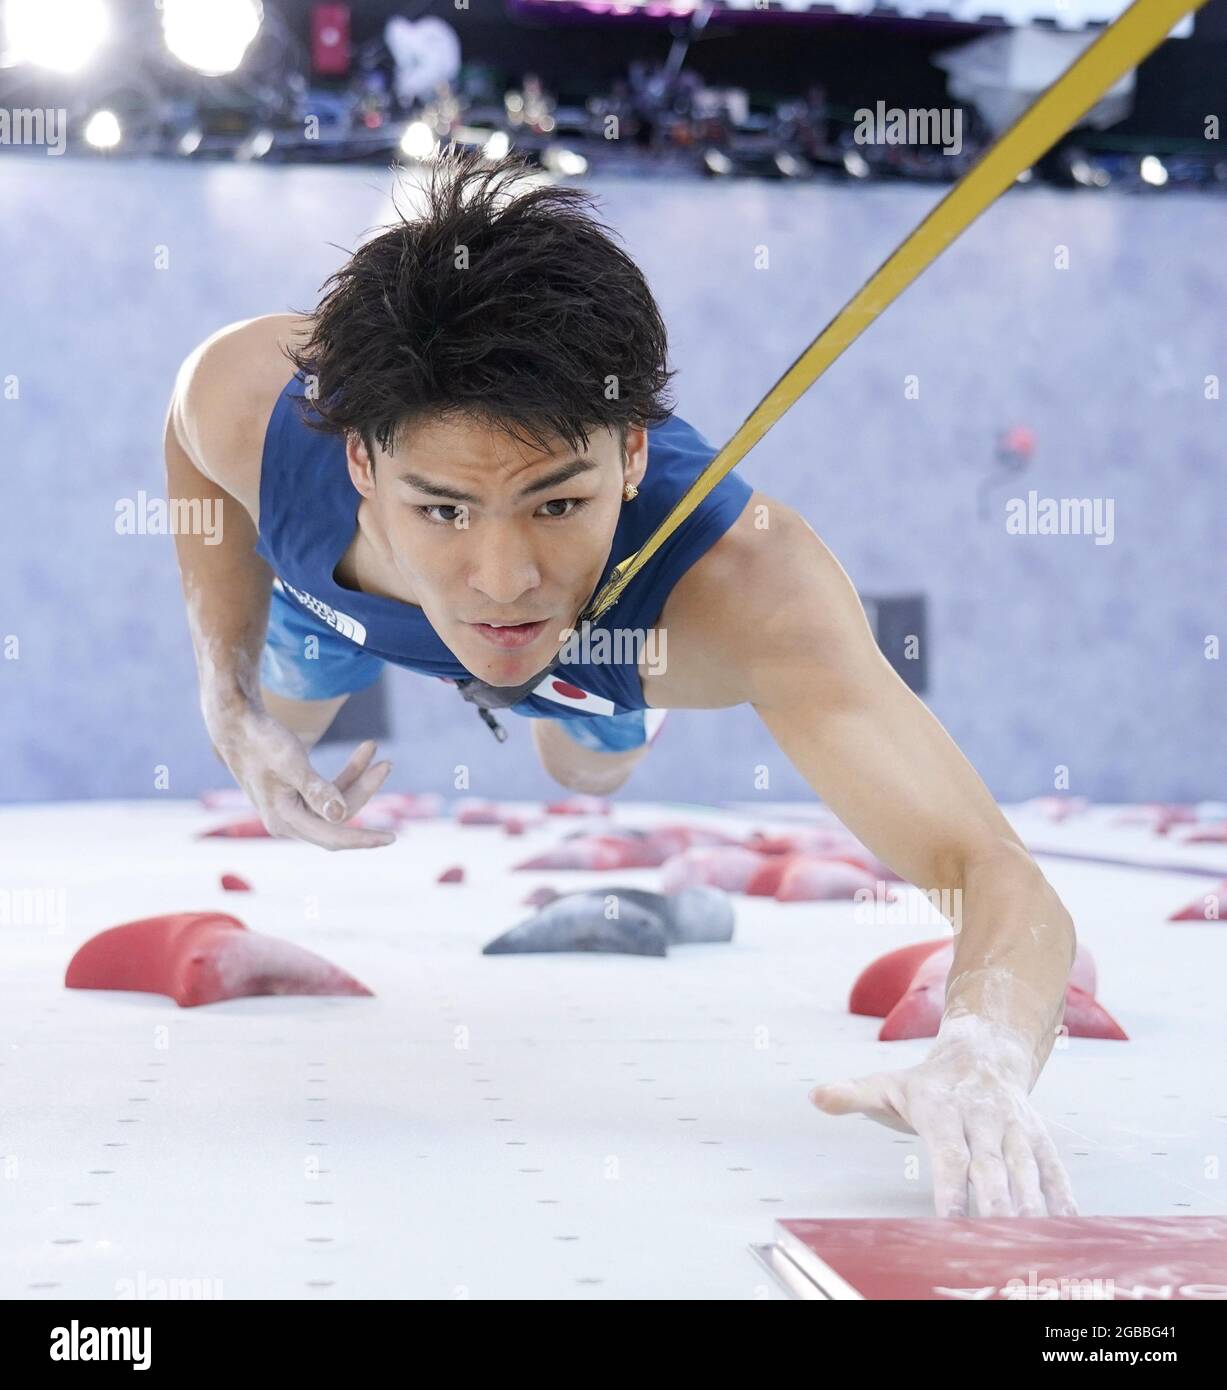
(585, 1127)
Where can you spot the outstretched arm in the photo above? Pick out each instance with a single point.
(781, 627)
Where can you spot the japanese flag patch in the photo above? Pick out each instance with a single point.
(562, 692)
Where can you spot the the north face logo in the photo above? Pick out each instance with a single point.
(342, 622)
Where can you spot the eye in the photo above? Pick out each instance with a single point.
(575, 504)
(457, 511)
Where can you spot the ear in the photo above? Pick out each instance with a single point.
(636, 464)
(361, 465)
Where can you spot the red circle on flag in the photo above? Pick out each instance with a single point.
(570, 691)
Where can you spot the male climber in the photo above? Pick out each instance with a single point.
(473, 432)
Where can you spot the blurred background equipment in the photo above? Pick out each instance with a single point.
(426, 55)
(725, 90)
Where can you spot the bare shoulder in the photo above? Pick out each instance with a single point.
(768, 595)
(224, 393)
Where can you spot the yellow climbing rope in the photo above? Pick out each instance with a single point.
(1120, 47)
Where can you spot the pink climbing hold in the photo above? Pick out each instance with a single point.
(232, 883)
(912, 1005)
(790, 878)
(787, 878)
(475, 811)
(810, 878)
(730, 867)
(825, 844)
(667, 840)
(453, 875)
(1160, 816)
(1212, 835)
(1174, 815)
(1210, 907)
(202, 958)
(804, 840)
(578, 805)
(594, 852)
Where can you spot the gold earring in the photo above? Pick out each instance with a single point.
(630, 492)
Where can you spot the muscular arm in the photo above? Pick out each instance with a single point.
(772, 619)
(226, 585)
(214, 435)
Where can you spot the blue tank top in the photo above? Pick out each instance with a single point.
(308, 517)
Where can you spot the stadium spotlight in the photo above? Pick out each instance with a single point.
(211, 35)
(418, 141)
(102, 130)
(1153, 171)
(62, 35)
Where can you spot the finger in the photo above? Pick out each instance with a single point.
(866, 1095)
(324, 798)
(986, 1172)
(303, 823)
(356, 766)
(1054, 1180)
(949, 1157)
(357, 795)
(847, 1097)
(1023, 1173)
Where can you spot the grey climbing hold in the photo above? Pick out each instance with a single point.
(642, 924)
(578, 922)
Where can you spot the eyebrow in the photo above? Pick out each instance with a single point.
(562, 474)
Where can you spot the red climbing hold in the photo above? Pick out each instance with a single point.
(1085, 1017)
(883, 982)
(201, 958)
(907, 987)
(232, 883)
(453, 875)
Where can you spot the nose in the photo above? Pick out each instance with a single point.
(505, 566)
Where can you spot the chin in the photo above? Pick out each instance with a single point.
(506, 668)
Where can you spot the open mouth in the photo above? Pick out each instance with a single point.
(508, 636)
